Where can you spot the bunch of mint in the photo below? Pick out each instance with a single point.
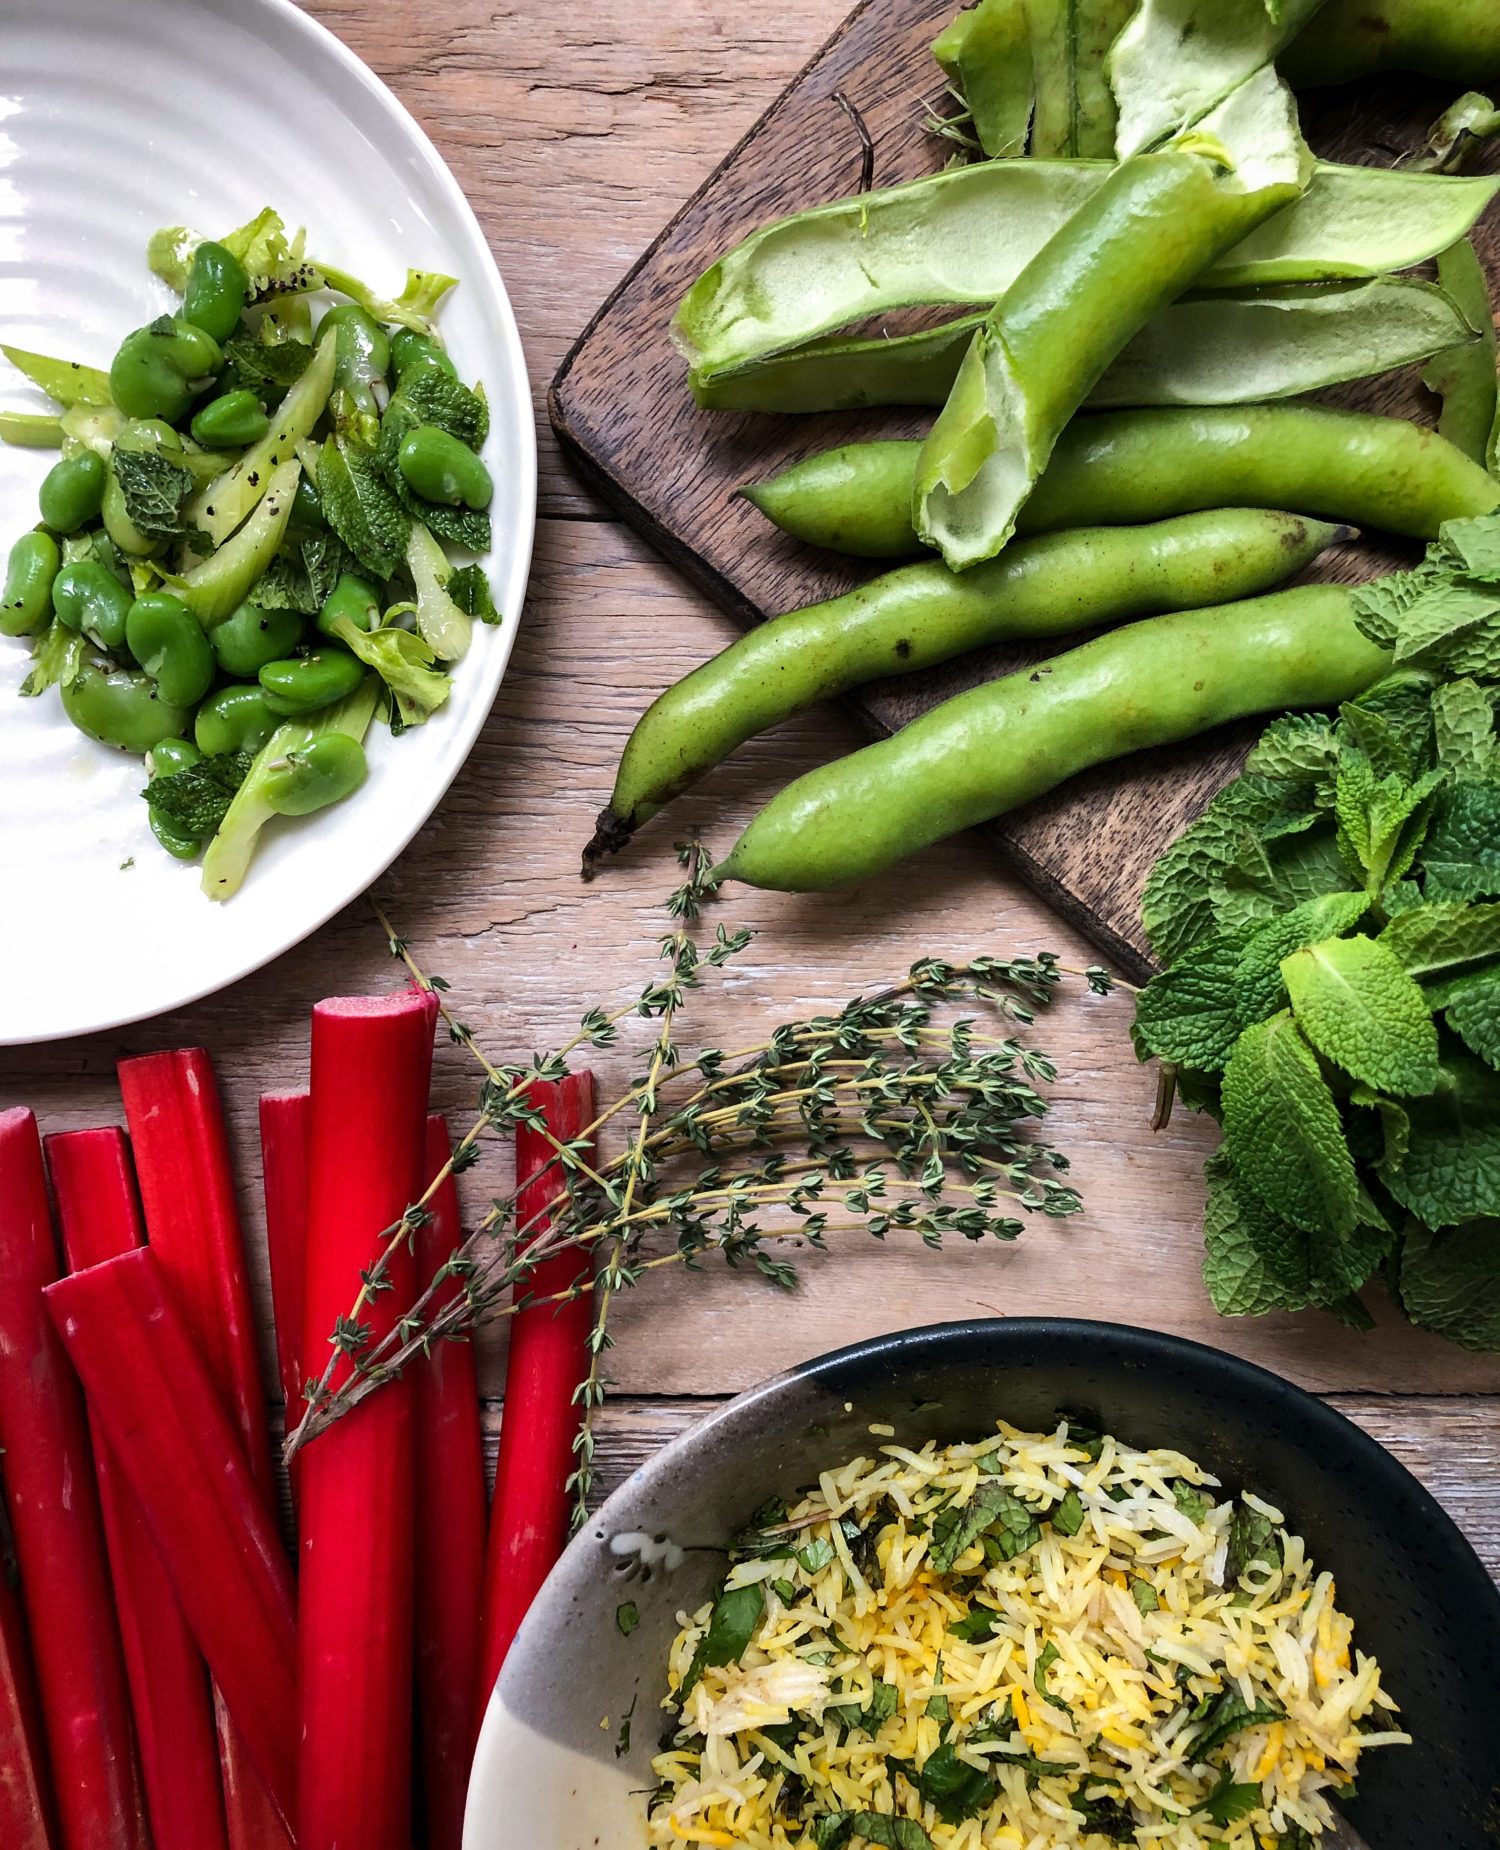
(1330, 928)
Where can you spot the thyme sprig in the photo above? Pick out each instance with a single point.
(909, 1110)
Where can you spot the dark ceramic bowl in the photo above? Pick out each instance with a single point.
(551, 1771)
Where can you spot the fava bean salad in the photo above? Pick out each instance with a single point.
(243, 558)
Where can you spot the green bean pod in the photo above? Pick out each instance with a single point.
(919, 615)
(1000, 745)
(30, 573)
(1455, 40)
(1124, 466)
(1154, 225)
(1224, 348)
(1464, 377)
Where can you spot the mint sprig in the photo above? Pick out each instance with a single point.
(1330, 928)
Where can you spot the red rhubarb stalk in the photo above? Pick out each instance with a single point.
(59, 1535)
(285, 1123)
(156, 1403)
(27, 1818)
(99, 1217)
(548, 1359)
(182, 1158)
(371, 1066)
(450, 1529)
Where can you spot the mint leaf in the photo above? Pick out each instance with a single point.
(1395, 1124)
(1177, 907)
(731, 1626)
(1382, 820)
(1253, 1542)
(1190, 1013)
(1464, 730)
(955, 1787)
(1473, 545)
(992, 1510)
(1461, 859)
(278, 364)
(1067, 1518)
(1439, 940)
(470, 590)
(1282, 1129)
(1299, 746)
(977, 1626)
(1403, 699)
(1450, 1282)
(833, 1830)
(1230, 1713)
(360, 506)
(1258, 978)
(1451, 1170)
(1360, 1009)
(427, 395)
(153, 488)
(1368, 730)
(1254, 1261)
(1471, 1008)
(194, 801)
(1230, 1800)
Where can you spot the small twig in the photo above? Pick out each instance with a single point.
(866, 145)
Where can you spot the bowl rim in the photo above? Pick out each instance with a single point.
(1134, 1340)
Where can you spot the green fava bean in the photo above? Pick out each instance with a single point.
(249, 638)
(409, 348)
(89, 598)
(324, 771)
(235, 719)
(120, 707)
(216, 290)
(440, 468)
(352, 597)
(168, 641)
(72, 491)
(172, 756)
(231, 422)
(307, 683)
(26, 602)
(362, 349)
(152, 374)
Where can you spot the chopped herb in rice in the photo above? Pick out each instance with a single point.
(1039, 1642)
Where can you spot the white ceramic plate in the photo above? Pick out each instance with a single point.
(115, 119)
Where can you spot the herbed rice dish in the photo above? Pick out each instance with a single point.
(1032, 1641)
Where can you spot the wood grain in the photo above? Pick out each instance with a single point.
(621, 407)
(576, 132)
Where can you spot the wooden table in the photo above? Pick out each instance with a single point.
(576, 130)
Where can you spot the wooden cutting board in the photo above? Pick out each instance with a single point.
(622, 410)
